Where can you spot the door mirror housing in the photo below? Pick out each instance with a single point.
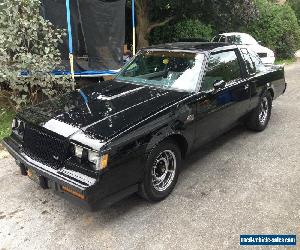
(219, 84)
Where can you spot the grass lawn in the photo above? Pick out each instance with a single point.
(6, 117)
(286, 61)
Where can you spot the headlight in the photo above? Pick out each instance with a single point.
(78, 151)
(18, 126)
(99, 162)
(15, 123)
(93, 157)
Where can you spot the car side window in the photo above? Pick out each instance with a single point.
(250, 64)
(216, 39)
(260, 67)
(221, 66)
(219, 39)
(222, 39)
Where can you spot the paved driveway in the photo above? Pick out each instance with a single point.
(243, 183)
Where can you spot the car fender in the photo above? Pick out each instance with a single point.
(174, 130)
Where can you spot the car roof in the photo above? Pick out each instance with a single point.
(233, 34)
(193, 46)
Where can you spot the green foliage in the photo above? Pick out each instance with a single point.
(6, 117)
(273, 24)
(228, 15)
(224, 15)
(277, 27)
(189, 28)
(286, 61)
(295, 4)
(28, 43)
(193, 29)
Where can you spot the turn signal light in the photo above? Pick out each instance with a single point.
(74, 193)
(104, 161)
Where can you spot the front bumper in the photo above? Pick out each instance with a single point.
(74, 186)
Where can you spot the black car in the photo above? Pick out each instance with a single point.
(105, 142)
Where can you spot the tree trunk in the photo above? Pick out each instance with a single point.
(142, 35)
(143, 24)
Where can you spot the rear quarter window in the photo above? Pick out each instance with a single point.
(260, 67)
(250, 64)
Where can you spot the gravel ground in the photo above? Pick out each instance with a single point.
(242, 183)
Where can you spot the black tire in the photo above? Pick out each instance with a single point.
(259, 118)
(154, 167)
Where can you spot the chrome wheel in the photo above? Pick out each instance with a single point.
(264, 110)
(164, 170)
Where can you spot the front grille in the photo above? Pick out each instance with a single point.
(45, 147)
(262, 55)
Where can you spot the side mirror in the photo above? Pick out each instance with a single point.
(219, 84)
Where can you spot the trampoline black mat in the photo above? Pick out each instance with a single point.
(98, 29)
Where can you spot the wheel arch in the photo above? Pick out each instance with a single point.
(177, 138)
(268, 88)
(181, 141)
(271, 90)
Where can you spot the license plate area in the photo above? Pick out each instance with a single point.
(37, 178)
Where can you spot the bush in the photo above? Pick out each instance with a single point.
(295, 4)
(28, 44)
(189, 28)
(6, 117)
(277, 27)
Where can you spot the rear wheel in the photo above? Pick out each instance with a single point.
(161, 174)
(259, 118)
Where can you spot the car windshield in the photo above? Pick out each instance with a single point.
(164, 69)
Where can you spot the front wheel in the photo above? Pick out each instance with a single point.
(161, 173)
(259, 118)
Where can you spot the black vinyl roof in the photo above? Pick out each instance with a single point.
(193, 46)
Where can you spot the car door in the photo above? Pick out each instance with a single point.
(219, 109)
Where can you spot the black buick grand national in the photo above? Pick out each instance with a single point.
(128, 135)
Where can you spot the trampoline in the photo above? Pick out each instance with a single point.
(93, 47)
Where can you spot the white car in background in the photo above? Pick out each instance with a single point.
(267, 56)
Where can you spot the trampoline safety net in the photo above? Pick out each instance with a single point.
(98, 29)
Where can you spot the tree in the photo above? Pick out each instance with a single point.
(182, 29)
(277, 27)
(295, 4)
(28, 46)
(220, 13)
(229, 15)
(151, 14)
